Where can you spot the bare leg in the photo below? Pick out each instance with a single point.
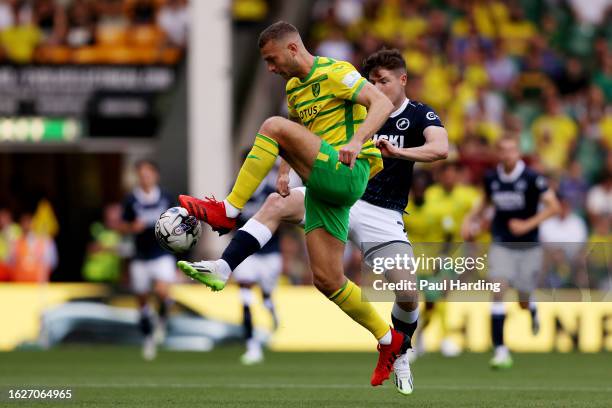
(277, 209)
(162, 291)
(325, 253)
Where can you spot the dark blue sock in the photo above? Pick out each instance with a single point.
(497, 329)
(406, 328)
(145, 324)
(270, 306)
(535, 323)
(247, 322)
(534, 313)
(240, 248)
(164, 308)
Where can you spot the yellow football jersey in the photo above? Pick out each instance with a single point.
(418, 222)
(324, 102)
(449, 209)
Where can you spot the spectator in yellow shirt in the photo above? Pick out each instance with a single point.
(19, 41)
(449, 202)
(554, 135)
(517, 32)
(417, 220)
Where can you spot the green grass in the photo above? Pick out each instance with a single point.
(117, 377)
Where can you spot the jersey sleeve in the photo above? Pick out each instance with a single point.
(540, 183)
(345, 80)
(428, 117)
(488, 180)
(129, 215)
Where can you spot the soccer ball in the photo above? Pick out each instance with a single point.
(177, 231)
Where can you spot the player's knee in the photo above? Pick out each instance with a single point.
(274, 204)
(326, 283)
(323, 285)
(162, 289)
(407, 304)
(273, 127)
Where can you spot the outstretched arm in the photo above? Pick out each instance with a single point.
(435, 147)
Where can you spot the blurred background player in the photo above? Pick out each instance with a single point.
(262, 269)
(103, 260)
(434, 216)
(522, 201)
(152, 270)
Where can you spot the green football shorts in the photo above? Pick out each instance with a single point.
(331, 191)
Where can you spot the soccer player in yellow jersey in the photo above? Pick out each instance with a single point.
(327, 142)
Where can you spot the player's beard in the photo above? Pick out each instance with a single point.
(293, 70)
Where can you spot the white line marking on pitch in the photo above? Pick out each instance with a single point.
(343, 386)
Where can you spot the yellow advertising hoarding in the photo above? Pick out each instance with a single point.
(309, 322)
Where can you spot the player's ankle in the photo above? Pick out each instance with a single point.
(502, 349)
(223, 269)
(230, 210)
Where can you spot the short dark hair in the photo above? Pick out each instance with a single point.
(450, 165)
(276, 31)
(147, 162)
(508, 137)
(390, 59)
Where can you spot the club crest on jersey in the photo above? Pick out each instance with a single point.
(316, 89)
(521, 185)
(402, 124)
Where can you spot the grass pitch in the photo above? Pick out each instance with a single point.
(118, 377)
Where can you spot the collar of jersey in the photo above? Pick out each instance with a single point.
(312, 70)
(400, 109)
(513, 175)
(151, 197)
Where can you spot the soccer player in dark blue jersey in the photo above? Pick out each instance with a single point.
(152, 270)
(412, 133)
(522, 200)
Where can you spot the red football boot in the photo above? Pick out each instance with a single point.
(387, 356)
(210, 211)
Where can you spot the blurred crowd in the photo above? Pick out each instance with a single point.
(93, 31)
(540, 70)
(27, 249)
(249, 11)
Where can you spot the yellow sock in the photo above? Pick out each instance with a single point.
(256, 166)
(348, 298)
